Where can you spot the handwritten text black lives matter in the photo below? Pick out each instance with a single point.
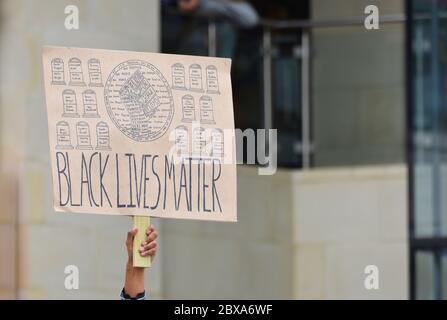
(138, 100)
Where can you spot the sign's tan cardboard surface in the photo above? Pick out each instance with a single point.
(135, 133)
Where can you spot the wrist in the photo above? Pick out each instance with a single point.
(130, 267)
(134, 281)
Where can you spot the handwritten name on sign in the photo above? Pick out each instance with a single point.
(136, 133)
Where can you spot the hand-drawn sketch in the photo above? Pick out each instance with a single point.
(57, 71)
(182, 140)
(94, 72)
(206, 110)
(217, 143)
(198, 142)
(146, 133)
(75, 70)
(69, 104)
(102, 136)
(83, 134)
(138, 91)
(63, 136)
(139, 100)
(188, 108)
(195, 78)
(178, 76)
(90, 104)
(212, 81)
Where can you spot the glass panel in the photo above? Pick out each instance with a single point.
(429, 125)
(429, 135)
(425, 177)
(423, 194)
(286, 82)
(425, 275)
(246, 77)
(184, 34)
(190, 35)
(358, 95)
(444, 275)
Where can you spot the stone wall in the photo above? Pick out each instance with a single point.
(358, 86)
(344, 220)
(47, 241)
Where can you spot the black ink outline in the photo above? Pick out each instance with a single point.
(79, 145)
(104, 125)
(90, 115)
(91, 83)
(202, 120)
(186, 119)
(70, 114)
(59, 146)
(214, 153)
(178, 65)
(193, 67)
(167, 124)
(56, 82)
(208, 90)
(180, 151)
(72, 82)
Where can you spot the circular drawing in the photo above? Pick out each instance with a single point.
(139, 100)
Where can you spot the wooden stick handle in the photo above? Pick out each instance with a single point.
(140, 222)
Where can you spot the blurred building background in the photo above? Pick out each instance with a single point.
(360, 117)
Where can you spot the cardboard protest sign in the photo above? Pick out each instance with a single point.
(134, 133)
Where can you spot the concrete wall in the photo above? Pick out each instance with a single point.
(8, 237)
(300, 235)
(250, 259)
(358, 86)
(49, 241)
(344, 220)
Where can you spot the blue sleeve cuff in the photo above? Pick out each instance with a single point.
(125, 296)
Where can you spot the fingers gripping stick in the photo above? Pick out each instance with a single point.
(142, 223)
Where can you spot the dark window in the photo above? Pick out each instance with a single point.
(427, 96)
(200, 35)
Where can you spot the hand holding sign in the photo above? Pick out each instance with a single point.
(134, 281)
(128, 142)
(146, 248)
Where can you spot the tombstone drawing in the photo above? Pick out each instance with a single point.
(75, 71)
(212, 81)
(63, 136)
(69, 104)
(181, 140)
(206, 110)
(198, 141)
(102, 136)
(90, 104)
(178, 76)
(83, 134)
(188, 108)
(57, 71)
(195, 78)
(217, 143)
(94, 73)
